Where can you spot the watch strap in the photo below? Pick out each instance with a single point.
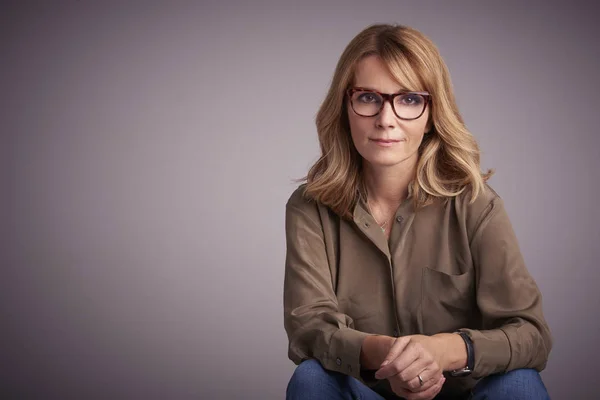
(470, 356)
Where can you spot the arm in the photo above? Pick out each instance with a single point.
(515, 334)
(314, 325)
(374, 351)
(448, 348)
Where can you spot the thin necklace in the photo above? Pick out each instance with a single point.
(382, 226)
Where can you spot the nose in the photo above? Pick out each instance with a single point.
(386, 117)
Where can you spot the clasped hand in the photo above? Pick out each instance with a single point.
(413, 366)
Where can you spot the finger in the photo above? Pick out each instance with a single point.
(396, 349)
(429, 376)
(409, 375)
(412, 352)
(424, 362)
(423, 395)
(426, 388)
(395, 366)
(415, 385)
(436, 389)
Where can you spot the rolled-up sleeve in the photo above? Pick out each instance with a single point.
(315, 327)
(515, 333)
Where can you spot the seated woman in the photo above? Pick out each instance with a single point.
(403, 276)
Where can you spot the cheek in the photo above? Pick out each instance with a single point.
(417, 130)
(357, 128)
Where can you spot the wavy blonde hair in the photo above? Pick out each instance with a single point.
(448, 156)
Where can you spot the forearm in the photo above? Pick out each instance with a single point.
(374, 350)
(450, 347)
(453, 351)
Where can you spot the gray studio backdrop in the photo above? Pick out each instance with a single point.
(148, 150)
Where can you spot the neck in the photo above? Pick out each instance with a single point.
(388, 185)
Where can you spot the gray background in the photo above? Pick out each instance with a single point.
(148, 151)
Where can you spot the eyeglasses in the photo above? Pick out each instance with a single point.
(406, 105)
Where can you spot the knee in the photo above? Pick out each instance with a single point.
(516, 384)
(307, 376)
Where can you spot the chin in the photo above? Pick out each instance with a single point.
(383, 162)
(389, 160)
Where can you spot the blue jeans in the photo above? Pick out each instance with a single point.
(311, 381)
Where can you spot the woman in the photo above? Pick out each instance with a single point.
(403, 275)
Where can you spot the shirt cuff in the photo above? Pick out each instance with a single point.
(344, 352)
(492, 351)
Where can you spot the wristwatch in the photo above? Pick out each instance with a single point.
(470, 357)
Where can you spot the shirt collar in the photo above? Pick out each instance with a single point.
(360, 209)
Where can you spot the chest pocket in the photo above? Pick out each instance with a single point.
(447, 300)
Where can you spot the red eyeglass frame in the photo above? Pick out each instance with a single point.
(389, 97)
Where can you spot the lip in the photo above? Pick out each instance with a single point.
(385, 142)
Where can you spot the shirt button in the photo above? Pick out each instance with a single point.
(399, 218)
(396, 334)
(367, 224)
(338, 362)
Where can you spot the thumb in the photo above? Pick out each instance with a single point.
(396, 349)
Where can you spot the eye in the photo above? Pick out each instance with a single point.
(368, 97)
(410, 99)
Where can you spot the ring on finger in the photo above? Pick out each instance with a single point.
(420, 380)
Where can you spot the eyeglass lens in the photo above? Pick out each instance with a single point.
(407, 106)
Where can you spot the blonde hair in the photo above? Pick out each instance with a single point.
(448, 155)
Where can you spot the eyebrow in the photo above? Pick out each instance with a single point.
(404, 89)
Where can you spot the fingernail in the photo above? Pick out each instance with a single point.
(386, 362)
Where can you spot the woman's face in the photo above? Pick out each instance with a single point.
(384, 139)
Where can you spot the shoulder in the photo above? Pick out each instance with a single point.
(475, 211)
(483, 199)
(302, 205)
(305, 214)
(299, 199)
